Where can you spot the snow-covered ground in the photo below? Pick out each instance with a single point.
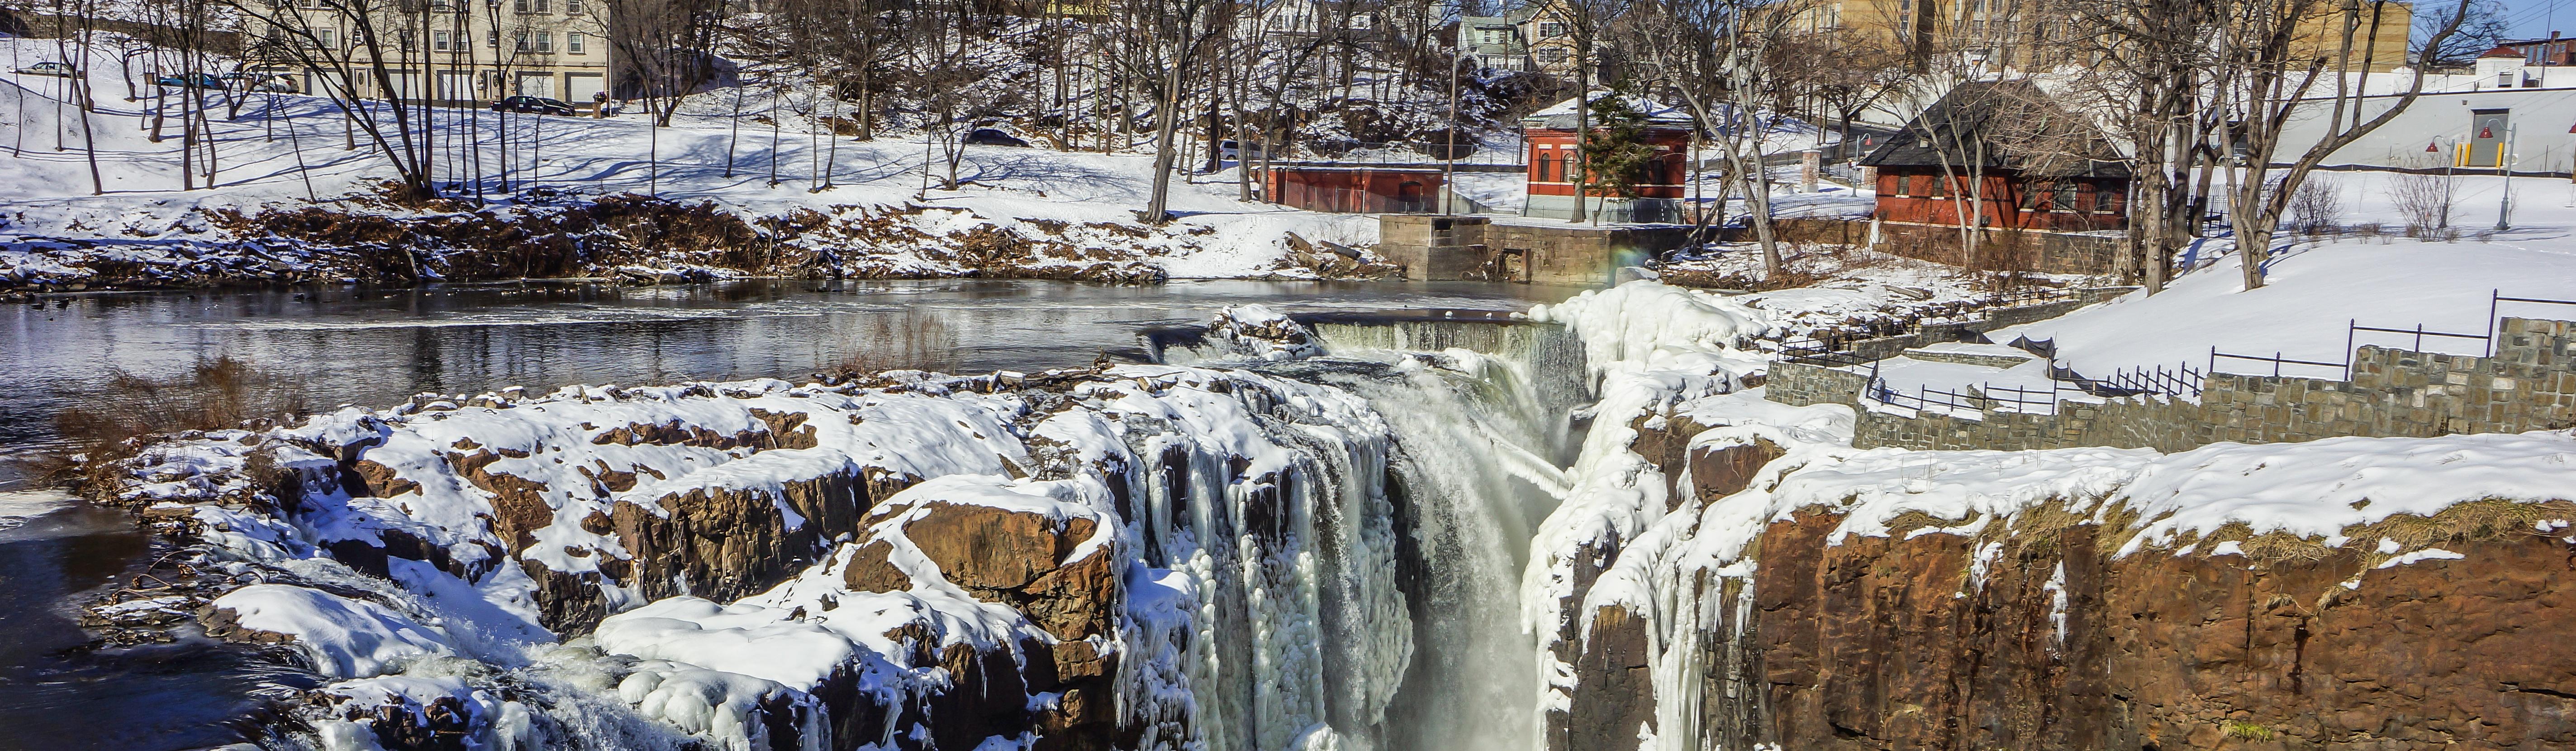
(2319, 286)
(285, 149)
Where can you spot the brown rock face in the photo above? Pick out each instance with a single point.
(1881, 643)
(725, 544)
(1017, 559)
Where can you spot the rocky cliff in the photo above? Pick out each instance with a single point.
(2347, 594)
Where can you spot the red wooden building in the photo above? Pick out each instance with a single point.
(1360, 190)
(1960, 161)
(1553, 155)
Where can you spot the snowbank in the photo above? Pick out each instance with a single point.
(343, 638)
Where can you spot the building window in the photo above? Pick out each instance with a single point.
(2064, 202)
(438, 41)
(1902, 183)
(492, 39)
(572, 7)
(327, 41)
(572, 42)
(545, 42)
(524, 43)
(1551, 29)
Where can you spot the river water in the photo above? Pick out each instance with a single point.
(377, 347)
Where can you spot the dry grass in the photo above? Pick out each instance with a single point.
(2472, 521)
(912, 340)
(215, 394)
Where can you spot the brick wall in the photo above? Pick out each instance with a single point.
(2529, 384)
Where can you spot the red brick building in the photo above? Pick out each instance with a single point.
(1553, 156)
(1358, 190)
(1995, 155)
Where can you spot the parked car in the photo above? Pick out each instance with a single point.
(248, 80)
(993, 137)
(533, 104)
(200, 80)
(50, 69)
(1228, 149)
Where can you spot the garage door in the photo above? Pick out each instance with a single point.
(537, 84)
(455, 87)
(578, 87)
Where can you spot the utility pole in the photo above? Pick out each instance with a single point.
(1449, 157)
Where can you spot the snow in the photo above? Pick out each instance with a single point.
(1649, 346)
(2317, 288)
(1645, 321)
(343, 638)
(144, 219)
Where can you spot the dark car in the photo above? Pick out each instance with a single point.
(49, 69)
(199, 80)
(993, 137)
(533, 104)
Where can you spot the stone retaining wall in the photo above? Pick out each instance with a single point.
(2529, 384)
(1884, 347)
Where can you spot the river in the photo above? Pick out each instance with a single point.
(361, 346)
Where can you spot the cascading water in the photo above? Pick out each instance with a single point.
(1479, 411)
(1323, 552)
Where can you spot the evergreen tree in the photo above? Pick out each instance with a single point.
(1616, 153)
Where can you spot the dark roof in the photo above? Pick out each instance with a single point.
(2016, 124)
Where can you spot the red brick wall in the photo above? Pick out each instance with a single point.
(1551, 156)
(1923, 195)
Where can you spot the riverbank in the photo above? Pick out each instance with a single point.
(286, 192)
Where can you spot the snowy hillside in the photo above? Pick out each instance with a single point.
(881, 214)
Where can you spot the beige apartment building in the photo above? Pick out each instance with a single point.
(467, 52)
(2019, 34)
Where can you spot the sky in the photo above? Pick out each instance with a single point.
(2532, 19)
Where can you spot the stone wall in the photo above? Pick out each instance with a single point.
(1443, 248)
(1880, 348)
(2529, 384)
(2006, 250)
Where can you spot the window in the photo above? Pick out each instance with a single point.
(572, 7)
(1903, 182)
(2031, 190)
(2064, 202)
(572, 41)
(438, 41)
(524, 43)
(545, 42)
(326, 37)
(1551, 29)
(492, 39)
(519, 5)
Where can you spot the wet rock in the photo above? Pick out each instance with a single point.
(1887, 643)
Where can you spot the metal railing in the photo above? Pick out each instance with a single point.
(2177, 380)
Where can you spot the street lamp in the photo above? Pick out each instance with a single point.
(2504, 206)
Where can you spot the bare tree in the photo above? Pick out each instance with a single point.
(2276, 81)
(329, 36)
(1184, 32)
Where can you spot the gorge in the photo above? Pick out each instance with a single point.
(1578, 527)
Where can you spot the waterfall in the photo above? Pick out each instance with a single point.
(1478, 411)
